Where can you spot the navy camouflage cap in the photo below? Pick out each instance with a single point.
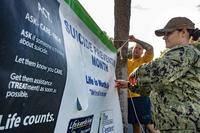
(175, 24)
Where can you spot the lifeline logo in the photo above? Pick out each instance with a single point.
(80, 125)
(106, 122)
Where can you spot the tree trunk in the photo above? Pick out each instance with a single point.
(122, 19)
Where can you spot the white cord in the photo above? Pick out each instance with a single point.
(136, 114)
(120, 48)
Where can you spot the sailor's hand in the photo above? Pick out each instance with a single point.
(131, 38)
(121, 84)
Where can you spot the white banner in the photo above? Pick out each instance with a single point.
(94, 70)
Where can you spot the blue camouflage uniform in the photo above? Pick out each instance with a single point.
(174, 83)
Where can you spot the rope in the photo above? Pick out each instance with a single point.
(120, 48)
(135, 112)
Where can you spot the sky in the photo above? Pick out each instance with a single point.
(146, 17)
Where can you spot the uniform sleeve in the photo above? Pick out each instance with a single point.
(174, 64)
